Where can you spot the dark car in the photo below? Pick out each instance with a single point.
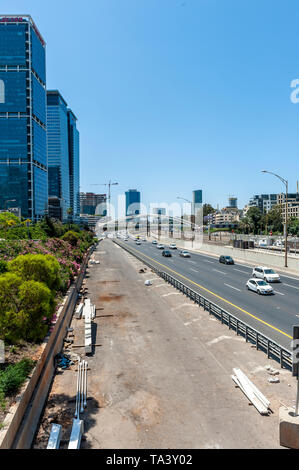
(166, 253)
(226, 260)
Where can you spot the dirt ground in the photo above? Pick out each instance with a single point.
(160, 373)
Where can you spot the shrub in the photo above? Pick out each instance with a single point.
(13, 377)
(3, 266)
(25, 309)
(40, 268)
(10, 328)
(71, 237)
(36, 310)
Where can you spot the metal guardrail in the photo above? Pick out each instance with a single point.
(262, 342)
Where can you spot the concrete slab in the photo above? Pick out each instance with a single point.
(288, 428)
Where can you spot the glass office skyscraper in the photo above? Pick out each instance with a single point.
(23, 144)
(74, 165)
(58, 156)
(63, 159)
(132, 202)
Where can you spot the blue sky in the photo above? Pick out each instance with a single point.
(176, 95)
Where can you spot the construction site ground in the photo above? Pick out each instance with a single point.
(160, 373)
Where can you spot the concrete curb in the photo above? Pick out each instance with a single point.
(23, 417)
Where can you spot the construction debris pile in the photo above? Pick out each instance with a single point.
(252, 393)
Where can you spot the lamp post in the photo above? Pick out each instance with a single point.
(286, 183)
(192, 216)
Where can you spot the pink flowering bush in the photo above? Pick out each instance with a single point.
(68, 256)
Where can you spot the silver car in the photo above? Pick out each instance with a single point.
(185, 254)
(268, 274)
(260, 287)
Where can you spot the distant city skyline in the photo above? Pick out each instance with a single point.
(186, 107)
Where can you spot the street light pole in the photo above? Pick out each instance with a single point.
(192, 217)
(109, 192)
(286, 183)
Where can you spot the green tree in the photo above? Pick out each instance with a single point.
(293, 226)
(7, 219)
(71, 237)
(36, 309)
(25, 309)
(10, 326)
(254, 217)
(3, 266)
(208, 209)
(273, 221)
(245, 226)
(41, 268)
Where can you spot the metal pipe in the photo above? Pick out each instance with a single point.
(85, 385)
(77, 412)
(82, 387)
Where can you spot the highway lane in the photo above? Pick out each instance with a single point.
(225, 285)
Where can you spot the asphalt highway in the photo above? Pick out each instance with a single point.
(225, 285)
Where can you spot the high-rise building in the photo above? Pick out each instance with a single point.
(74, 165)
(159, 210)
(233, 202)
(197, 197)
(23, 144)
(58, 156)
(132, 202)
(93, 204)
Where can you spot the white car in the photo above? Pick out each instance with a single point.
(138, 242)
(173, 246)
(154, 242)
(260, 286)
(160, 247)
(268, 274)
(185, 254)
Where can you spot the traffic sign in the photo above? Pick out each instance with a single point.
(295, 351)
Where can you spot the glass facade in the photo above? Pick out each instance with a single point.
(58, 151)
(74, 165)
(197, 196)
(132, 202)
(23, 151)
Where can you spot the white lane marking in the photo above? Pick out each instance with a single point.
(289, 285)
(232, 287)
(280, 293)
(194, 270)
(240, 271)
(206, 261)
(221, 272)
(289, 277)
(171, 293)
(193, 262)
